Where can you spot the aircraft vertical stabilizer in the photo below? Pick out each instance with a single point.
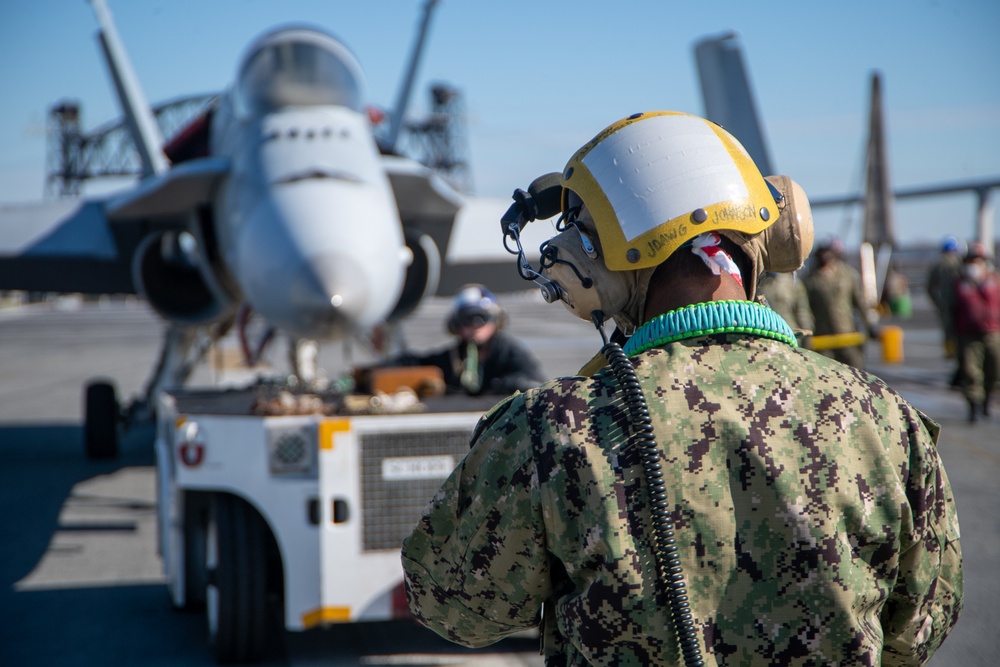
(878, 229)
(142, 123)
(403, 100)
(728, 97)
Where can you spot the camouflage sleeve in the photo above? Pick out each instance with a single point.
(927, 598)
(476, 566)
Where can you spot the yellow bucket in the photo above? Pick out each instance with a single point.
(892, 344)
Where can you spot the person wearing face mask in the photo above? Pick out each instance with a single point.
(710, 493)
(977, 327)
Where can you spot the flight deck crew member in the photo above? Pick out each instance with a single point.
(835, 296)
(976, 304)
(483, 359)
(813, 520)
(941, 289)
(786, 294)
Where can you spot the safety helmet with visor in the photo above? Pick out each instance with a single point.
(474, 306)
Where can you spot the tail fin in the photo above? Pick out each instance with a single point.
(403, 100)
(728, 97)
(138, 114)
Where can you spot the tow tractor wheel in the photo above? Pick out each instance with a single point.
(195, 527)
(238, 552)
(100, 426)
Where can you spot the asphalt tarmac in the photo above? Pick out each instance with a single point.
(80, 579)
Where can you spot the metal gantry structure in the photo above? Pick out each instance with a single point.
(439, 140)
(74, 157)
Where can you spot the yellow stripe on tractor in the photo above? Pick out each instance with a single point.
(326, 615)
(837, 341)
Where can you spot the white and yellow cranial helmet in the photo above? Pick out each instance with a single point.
(655, 180)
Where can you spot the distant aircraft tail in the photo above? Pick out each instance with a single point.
(138, 114)
(728, 96)
(403, 100)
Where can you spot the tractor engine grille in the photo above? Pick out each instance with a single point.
(400, 472)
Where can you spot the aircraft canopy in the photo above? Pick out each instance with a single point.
(297, 67)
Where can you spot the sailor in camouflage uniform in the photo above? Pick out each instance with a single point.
(814, 522)
(837, 302)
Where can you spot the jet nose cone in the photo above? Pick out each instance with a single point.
(325, 294)
(318, 257)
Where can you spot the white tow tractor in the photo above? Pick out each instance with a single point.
(294, 522)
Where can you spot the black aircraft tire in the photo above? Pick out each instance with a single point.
(236, 594)
(100, 426)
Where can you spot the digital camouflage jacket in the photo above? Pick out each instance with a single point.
(815, 522)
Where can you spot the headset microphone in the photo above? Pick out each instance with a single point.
(541, 201)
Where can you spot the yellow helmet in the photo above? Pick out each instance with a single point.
(655, 180)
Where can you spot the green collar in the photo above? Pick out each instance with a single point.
(702, 319)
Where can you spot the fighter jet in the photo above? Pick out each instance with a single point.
(278, 199)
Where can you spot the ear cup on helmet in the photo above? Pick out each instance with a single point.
(784, 246)
(788, 242)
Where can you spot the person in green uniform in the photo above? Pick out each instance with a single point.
(787, 295)
(941, 281)
(837, 302)
(771, 506)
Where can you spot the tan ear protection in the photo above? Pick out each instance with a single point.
(573, 263)
(784, 246)
(585, 282)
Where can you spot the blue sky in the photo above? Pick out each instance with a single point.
(540, 78)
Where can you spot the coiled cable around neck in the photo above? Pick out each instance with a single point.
(667, 557)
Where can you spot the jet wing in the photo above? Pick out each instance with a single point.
(178, 192)
(420, 192)
(87, 246)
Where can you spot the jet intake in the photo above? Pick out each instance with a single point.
(422, 275)
(167, 272)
